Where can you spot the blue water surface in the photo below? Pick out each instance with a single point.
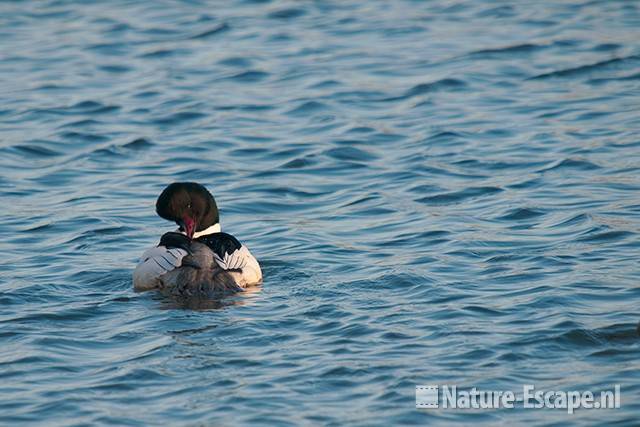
(440, 192)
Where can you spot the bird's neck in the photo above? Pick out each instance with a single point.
(215, 228)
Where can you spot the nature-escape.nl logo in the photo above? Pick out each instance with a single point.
(450, 397)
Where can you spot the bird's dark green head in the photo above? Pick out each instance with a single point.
(190, 205)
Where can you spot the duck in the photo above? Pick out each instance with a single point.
(198, 259)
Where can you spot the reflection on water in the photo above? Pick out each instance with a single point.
(438, 193)
(247, 297)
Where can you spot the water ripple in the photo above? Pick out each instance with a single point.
(438, 193)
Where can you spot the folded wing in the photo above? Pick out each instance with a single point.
(233, 257)
(154, 263)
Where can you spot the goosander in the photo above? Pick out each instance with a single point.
(198, 259)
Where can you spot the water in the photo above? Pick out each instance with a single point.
(439, 193)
